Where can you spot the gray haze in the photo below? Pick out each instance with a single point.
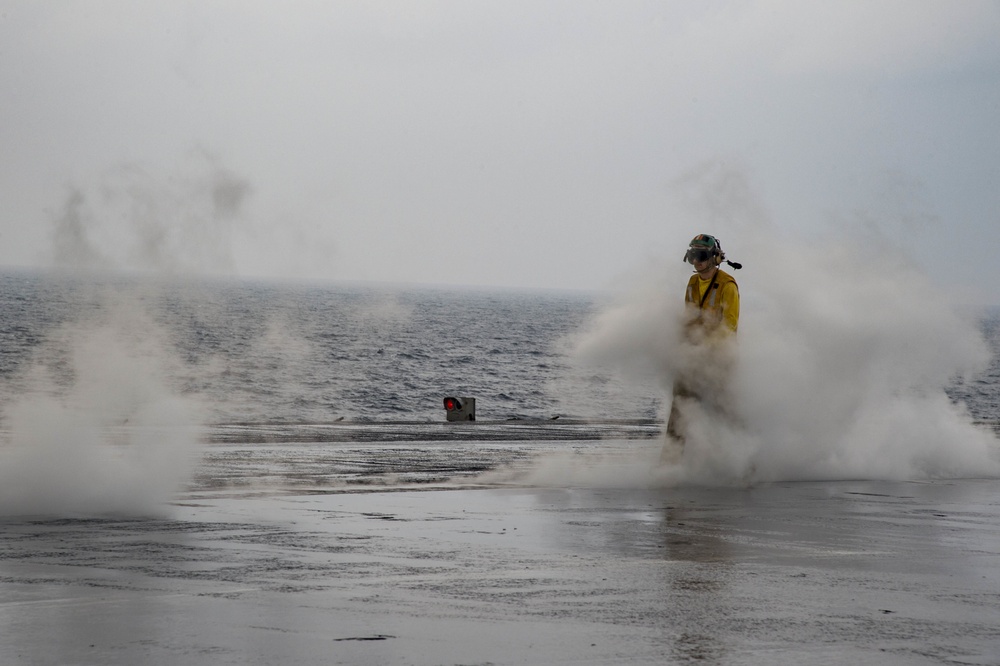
(526, 144)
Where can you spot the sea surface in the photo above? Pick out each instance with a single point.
(270, 353)
(294, 353)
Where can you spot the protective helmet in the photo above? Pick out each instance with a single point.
(703, 247)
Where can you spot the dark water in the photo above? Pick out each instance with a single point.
(273, 353)
(982, 393)
(295, 353)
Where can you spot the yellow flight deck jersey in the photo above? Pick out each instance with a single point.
(721, 306)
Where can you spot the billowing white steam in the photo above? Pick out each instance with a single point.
(99, 429)
(844, 355)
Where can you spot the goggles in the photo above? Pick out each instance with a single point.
(694, 255)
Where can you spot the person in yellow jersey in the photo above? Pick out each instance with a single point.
(711, 318)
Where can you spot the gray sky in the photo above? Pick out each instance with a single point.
(527, 144)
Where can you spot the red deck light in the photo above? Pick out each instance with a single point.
(460, 409)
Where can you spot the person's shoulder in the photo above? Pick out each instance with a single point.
(727, 279)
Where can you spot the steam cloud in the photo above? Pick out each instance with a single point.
(845, 351)
(167, 224)
(101, 427)
(98, 429)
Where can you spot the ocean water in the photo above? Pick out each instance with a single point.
(253, 352)
(981, 394)
(293, 353)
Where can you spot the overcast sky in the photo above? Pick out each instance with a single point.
(526, 144)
